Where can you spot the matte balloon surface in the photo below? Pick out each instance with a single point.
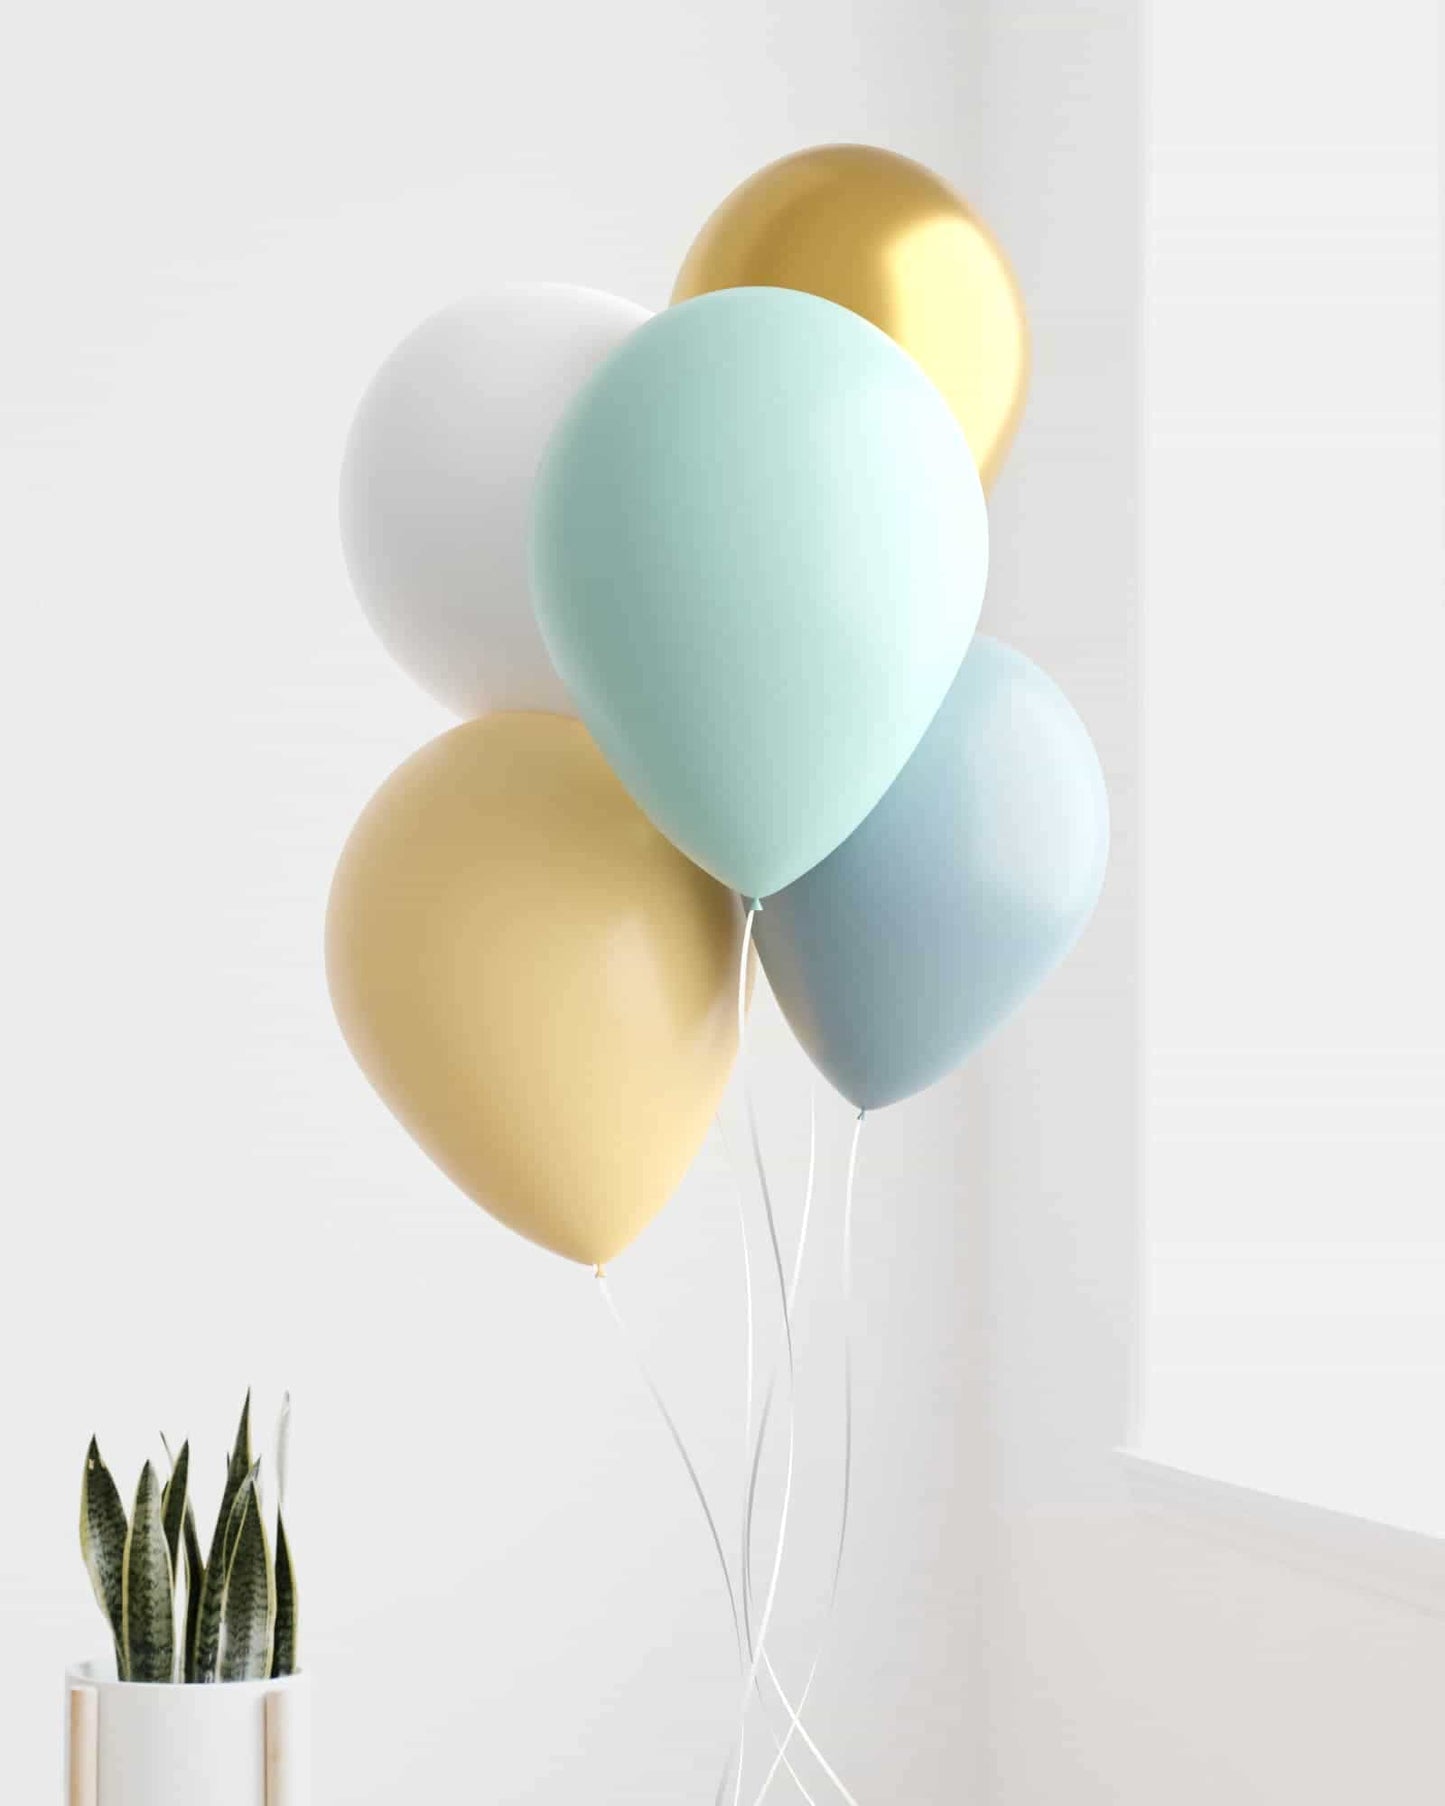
(760, 553)
(540, 987)
(436, 487)
(888, 238)
(899, 954)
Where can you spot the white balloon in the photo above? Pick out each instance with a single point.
(436, 486)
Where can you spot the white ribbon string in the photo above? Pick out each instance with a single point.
(753, 1655)
(752, 1455)
(699, 1490)
(697, 1486)
(790, 1290)
(795, 1713)
(807, 1196)
(745, 1644)
(759, 1647)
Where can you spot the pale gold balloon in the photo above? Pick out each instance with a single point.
(539, 985)
(887, 238)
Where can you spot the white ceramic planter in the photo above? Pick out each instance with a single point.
(232, 1743)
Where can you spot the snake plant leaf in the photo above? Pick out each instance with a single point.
(205, 1631)
(248, 1620)
(195, 1564)
(240, 1466)
(173, 1504)
(102, 1543)
(148, 1628)
(283, 1653)
(238, 1516)
(195, 1581)
(206, 1636)
(241, 1448)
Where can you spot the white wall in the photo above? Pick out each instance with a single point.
(1130, 1656)
(1293, 742)
(217, 224)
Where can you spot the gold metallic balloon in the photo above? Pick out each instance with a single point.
(539, 985)
(888, 239)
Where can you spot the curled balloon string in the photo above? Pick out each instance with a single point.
(795, 1713)
(788, 1293)
(807, 1195)
(751, 1456)
(754, 1136)
(753, 1453)
(789, 1299)
(700, 1493)
(759, 1646)
(697, 1486)
(750, 1341)
(744, 1648)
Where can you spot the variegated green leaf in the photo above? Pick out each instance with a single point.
(148, 1630)
(206, 1637)
(240, 1466)
(102, 1543)
(283, 1654)
(195, 1566)
(195, 1581)
(241, 1447)
(173, 1504)
(248, 1619)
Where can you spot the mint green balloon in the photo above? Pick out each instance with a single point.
(759, 553)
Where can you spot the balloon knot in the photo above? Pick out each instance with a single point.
(861, 1115)
(599, 1271)
(755, 906)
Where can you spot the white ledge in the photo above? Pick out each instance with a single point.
(1406, 1566)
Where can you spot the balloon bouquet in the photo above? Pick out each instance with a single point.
(703, 586)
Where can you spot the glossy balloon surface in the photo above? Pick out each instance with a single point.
(890, 240)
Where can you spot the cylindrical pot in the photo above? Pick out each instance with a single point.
(227, 1743)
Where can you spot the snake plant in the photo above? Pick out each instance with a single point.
(176, 1614)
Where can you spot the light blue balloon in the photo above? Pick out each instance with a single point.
(959, 894)
(759, 553)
